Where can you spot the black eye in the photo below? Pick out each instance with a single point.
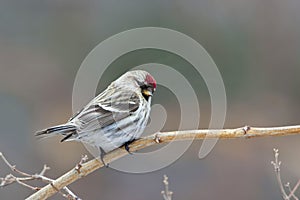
(144, 87)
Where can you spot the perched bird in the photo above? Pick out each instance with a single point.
(114, 118)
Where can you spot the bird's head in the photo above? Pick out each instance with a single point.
(139, 80)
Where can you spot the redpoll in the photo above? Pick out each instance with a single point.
(116, 117)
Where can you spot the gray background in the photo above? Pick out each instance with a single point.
(255, 44)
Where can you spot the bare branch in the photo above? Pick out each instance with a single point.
(276, 165)
(292, 192)
(79, 165)
(167, 194)
(12, 167)
(92, 165)
(287, 185)
(10, 179)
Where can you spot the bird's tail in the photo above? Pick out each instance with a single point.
(66, 130)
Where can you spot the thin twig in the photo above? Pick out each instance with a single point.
(20, 181)
(10, 179)
(167, 194)
(92, 165)
(287, 185)
(292, 192)
(12, 167)
(276, 164)
(79, 165)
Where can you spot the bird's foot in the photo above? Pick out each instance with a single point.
(126, 146)
(102, 154)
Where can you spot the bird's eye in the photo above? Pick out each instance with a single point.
(145, 87)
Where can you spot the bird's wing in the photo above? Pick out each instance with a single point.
(106, 110)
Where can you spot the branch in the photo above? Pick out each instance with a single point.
(292, 192)
(167, 194)
(165, 137)
(10, 179)
(276, 164)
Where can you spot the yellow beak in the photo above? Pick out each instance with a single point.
(147, 92)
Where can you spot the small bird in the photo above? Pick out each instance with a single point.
(114, 118)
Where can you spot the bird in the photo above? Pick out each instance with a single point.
(114, 118)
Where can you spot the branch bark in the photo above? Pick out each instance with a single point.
(165, 137)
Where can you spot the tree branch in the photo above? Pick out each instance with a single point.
(167, 194)
(10, 179)
(276, 164)
(90, 166)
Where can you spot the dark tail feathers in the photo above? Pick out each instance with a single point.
(66, 130)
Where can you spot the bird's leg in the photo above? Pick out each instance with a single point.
(102, 154)
(126, 146)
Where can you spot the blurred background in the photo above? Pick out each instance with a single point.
(255, 45)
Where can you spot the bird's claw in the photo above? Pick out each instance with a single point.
(126, 146)
(102, 154)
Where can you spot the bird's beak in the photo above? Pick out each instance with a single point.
(147, 92)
